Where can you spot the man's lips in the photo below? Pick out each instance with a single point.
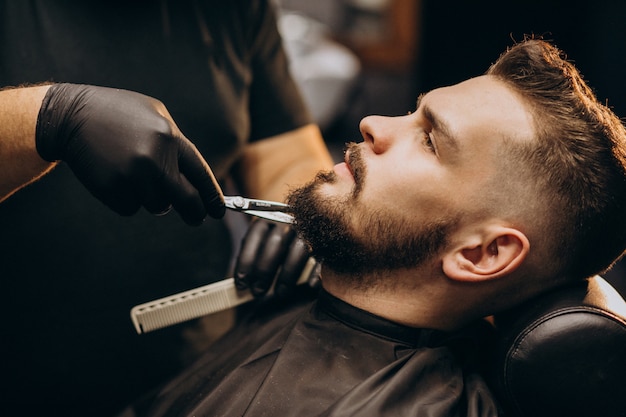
(343, 168)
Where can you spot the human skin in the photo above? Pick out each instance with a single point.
(441, 161)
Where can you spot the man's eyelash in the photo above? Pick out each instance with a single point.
(428, 142)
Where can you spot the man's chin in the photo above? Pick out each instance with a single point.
(338, 191)
(325, 186)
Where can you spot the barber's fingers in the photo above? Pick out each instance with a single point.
(263, 252)
(250, 247)
(186, 200)
(151, 188)
(270, 257)
(272, 254)
(160, 190)
(314, 280)
(186, 184)
(198, 173)
(292, 268)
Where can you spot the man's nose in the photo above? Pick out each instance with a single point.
(377, 132)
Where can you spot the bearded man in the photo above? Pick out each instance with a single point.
(491, 192)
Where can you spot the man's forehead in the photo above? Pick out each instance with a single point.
(484, 102)
(471, 87)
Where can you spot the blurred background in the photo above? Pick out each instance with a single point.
(353, 58)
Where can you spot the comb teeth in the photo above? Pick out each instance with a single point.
(198, 302)
(188, 305)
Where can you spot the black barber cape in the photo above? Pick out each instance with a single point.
(327, 359)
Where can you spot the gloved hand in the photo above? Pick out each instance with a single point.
(127, 151)
(272, 251)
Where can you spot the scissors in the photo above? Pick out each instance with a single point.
(270, 210)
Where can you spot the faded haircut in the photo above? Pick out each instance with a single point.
(577, 163)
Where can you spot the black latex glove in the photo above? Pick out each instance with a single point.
(272, 251)
(127, 151)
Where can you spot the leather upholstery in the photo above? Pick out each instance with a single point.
(563, 354)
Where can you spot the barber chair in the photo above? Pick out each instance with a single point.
(563, 354)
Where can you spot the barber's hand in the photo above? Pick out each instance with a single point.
(126, 149)
(272, 251)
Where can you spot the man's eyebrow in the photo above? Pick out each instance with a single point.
(438, 124)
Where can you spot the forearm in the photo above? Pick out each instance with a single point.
(271, 167)
(20, 164)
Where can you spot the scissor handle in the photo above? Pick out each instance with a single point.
(242, 203)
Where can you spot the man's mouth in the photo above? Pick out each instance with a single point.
(346, 168)
(346, 159)
(354, 160)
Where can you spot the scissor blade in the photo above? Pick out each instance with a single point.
(276, 216)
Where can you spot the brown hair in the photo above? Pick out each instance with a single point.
(578, 161)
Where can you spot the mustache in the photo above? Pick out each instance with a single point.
(356, 164)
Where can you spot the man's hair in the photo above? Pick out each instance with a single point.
(577, 162)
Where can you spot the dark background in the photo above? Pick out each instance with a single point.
(461, 37)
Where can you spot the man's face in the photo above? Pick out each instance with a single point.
(415, 180)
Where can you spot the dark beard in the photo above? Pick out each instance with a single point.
(382, 242)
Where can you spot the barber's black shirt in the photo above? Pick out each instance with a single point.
(70, 268)
(329, 359)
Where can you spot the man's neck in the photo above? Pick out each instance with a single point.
(421, 306)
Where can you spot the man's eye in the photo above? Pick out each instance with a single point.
(428, 142)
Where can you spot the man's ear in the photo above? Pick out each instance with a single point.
(493, 254)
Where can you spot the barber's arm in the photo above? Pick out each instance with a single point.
(269, 169)
(123, 146)
(20, 164)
